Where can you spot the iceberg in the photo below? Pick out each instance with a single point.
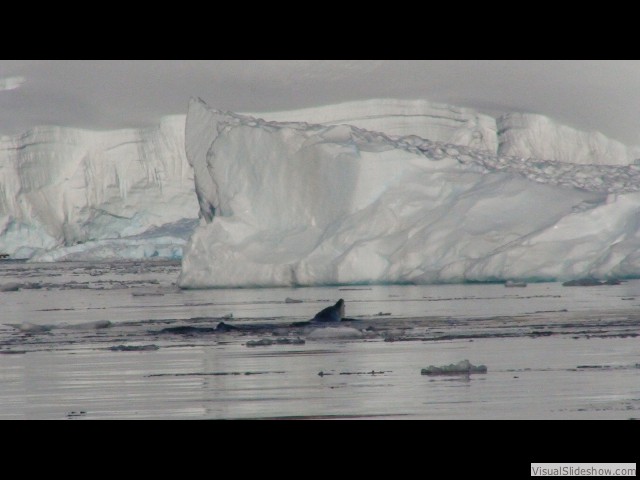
(298, 204)
(73, 194)
(67, 192)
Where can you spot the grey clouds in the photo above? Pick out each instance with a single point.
(602, 95)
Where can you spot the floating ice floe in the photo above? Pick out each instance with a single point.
(265, 342)
(335, 333)
(590, 282)
(461, 368)
(29, 327)
(134, 348)
(10, 287)
(292, 300)
(96, 324)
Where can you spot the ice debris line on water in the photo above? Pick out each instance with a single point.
(296, 204)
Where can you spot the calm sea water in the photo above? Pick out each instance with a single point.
(551, 351)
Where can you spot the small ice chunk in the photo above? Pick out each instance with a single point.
(464, 367)
(96, 324)
(591, 282)
(29, 327)
(10, 287)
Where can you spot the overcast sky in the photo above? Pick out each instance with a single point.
(601, 95)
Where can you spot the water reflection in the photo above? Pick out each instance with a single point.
(533, 358)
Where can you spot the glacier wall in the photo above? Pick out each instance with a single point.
(71, 194)
(529, 135)
(77, 194)
(65, 187)
(290, 204)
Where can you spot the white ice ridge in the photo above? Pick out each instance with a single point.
(85, 191)
(513, 134)
(397, 117)
(298, 204)
(528, 135)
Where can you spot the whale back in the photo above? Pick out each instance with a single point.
(335, 313)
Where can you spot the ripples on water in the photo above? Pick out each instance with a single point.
(551, 351)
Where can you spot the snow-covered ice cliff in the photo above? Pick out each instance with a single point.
(76, 194)
(82, 190)
(300, 204)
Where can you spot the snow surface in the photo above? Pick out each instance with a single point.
(288, 204)
(529, 135)
(396, 117)
(513, 134)
(66, 191)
